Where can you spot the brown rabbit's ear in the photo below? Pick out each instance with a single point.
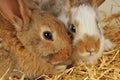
(99, 2)
(15, 12)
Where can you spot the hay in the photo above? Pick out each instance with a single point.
(107, 68)
(113, 20)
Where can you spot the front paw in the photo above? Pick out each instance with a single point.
(108, 45)
(91, 62)
(60, 68)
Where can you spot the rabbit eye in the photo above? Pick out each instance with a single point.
(72, 28)
(47, 35)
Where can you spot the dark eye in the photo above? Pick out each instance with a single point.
(47, 35)
(72, 28)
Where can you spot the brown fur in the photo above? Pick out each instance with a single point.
(84, 46)
(87, 43)
(27, 47)
(55, 6)
(22, 56)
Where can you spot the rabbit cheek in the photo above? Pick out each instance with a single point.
(35, 42)
(80, 47)
(61, 55)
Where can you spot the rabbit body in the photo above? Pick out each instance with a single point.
(22, 56)
(35, 41)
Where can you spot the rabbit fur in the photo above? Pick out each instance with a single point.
(82, 15)
(61, 8)
(88, 39)
(22, 26)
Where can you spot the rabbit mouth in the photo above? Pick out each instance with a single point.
(51, 59)
(61, 55)
(58, 57)
(87, 54)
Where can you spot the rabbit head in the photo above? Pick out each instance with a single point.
(39, 32)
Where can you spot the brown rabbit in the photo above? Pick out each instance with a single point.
(36, 42)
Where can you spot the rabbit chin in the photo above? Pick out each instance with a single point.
(88, 58)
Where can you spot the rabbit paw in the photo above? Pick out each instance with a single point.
(60, 68)
(108, 45)
(91, 62)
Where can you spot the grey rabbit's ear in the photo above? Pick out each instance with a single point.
(15, 12)
(93, 3)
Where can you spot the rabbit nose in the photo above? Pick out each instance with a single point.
(91, 51)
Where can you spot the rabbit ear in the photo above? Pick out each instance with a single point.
(99, 2)
(93, 3)
(96, 3)
(15, 12)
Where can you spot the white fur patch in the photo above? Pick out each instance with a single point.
(86, 17)
(108, 45)
(64, 18)
(60, 68)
